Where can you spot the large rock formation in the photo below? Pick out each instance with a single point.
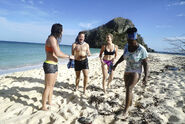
(118, 26)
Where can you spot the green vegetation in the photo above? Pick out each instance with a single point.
(118, 26)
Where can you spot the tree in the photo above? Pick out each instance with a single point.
(178, 44)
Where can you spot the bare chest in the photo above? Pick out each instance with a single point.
(80, 48)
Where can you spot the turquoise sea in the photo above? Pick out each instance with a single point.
(18, 56)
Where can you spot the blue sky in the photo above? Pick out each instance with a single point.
(31, 20)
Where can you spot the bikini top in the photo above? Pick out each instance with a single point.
(48, 49)
(109, 53)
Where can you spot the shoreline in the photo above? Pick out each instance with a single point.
(65, 61)
(37, 66)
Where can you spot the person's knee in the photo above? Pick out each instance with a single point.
(77, 76)
(48, 86)
(104, 77)
(86, 76)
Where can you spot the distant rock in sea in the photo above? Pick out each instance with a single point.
(118, 26)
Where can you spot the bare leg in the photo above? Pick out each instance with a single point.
(105, 73)
(49, 78)
(110, 79)
(85, 72)
(51, 90)
(131, 80)
(77, 79)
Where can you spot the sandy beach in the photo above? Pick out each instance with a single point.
(161, 101)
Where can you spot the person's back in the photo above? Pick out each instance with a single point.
(50, 55)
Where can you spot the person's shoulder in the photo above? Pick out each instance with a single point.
(116, 46)
(142, 47)
(74, 44)
(51, 39)
(85, 43)
(103, 47)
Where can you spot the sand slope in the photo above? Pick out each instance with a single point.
(162, 101)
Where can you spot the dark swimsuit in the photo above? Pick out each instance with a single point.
(49, 66)
(80, 65)
(109, 62)
(109, 53)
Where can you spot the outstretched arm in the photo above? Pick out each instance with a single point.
(119, 61)
(116, 53)
(101, 52)
(145, 66)
(57, 50)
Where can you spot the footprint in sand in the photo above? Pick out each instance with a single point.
(173, 118)
(183, 109)
(179, 103)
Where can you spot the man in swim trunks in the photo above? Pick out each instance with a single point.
(80, 50)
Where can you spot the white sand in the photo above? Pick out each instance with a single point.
(162, 101)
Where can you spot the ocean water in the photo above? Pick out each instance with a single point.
(18, 56)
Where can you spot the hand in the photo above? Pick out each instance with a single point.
(145, 80)
(102, 62)
(114, 67)
(71, 57)
(113, 61)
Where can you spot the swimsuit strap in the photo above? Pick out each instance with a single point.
(109, 53)
(48, 49)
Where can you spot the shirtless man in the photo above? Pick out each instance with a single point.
(80, 50)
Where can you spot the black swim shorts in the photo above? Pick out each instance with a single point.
(50, 68)
(80, 65)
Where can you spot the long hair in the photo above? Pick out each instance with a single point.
(56, 30)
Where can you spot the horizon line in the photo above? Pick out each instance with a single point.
(30, 42)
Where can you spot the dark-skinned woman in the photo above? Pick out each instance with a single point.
(136, 57)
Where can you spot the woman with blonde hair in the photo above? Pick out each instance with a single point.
(107, 56)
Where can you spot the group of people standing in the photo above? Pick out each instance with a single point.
(134, 54)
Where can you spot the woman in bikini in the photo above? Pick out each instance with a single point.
(136, 57)
(107, 60)
(50, 65)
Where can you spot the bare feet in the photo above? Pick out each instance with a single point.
(108, 85)
(125, 113)
(104, 90)
(44, 108)
(76, 88)
(49, 103)
(122, 115)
